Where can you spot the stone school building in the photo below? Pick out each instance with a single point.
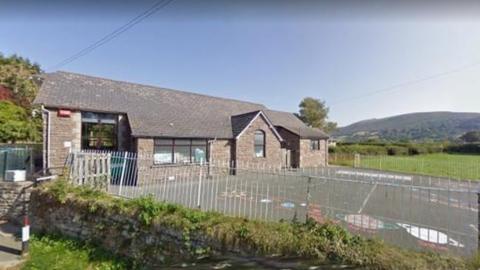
(83, 113)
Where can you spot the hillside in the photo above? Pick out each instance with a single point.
(414, 126)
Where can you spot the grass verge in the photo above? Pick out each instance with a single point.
(59, 253)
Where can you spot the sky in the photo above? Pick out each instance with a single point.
(365, 59)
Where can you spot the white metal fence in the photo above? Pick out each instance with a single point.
(411, 211)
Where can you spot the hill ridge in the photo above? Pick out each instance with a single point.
(417, 126)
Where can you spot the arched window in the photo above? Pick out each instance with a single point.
(259, 143)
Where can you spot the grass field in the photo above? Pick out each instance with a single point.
(455, 166)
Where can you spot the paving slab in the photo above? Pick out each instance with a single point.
(10, 246)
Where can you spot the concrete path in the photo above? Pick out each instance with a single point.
(10, 246)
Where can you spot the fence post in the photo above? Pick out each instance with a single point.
(356, 160)
(307, 201)
(478, 221)
(109, 170)
(199, 185)
(5, 164)
(123, 173)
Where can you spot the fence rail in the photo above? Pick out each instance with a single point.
(413, 211)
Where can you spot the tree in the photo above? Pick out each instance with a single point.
(314, 113)
(17, 74)
(15, 124)
(471, 137)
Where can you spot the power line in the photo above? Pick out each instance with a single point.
(408, 83)
(137, 19)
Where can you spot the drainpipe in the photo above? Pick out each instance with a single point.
(46, 150)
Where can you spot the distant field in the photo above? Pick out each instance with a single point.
(448, 165)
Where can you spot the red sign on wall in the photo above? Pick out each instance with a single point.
(64, 113)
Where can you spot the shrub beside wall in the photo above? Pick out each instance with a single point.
(152, 233)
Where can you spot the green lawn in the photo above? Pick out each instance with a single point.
(49, 252)
(455, 166)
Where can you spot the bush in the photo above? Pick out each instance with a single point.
(391, 149)
(396, 150)
(472, 148)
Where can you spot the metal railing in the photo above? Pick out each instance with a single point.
(412, 211)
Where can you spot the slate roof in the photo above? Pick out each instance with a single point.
(290, 122)
(240, 122)
(152, 111)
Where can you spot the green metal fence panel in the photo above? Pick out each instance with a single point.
(16, 159)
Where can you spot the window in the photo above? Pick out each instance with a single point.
(163, 151)
(167, 151)
(314, 145)
(259, 143)
(99, 131)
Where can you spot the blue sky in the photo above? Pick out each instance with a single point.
(272, 52)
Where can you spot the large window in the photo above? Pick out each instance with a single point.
(314, 145)
(259, 143)
(99, 131)
(168, 151)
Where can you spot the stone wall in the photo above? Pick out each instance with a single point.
(13, 196)
(313, 158)
(221, 151)
(65, 134)
(120, 232)
(245, 151)
(292, 143)
(145, 160)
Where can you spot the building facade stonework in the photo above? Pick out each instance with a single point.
(245, 146)
(220, 151)
(64, 136)
(292, 144)
(313, 158)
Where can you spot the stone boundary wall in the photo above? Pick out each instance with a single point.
(174, 237)
(121, 233)
(13, 197)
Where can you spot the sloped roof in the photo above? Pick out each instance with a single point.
(152, 111)
(290, 122)
(242, 121)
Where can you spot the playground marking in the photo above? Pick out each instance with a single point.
(377, 175)
(367, 198)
